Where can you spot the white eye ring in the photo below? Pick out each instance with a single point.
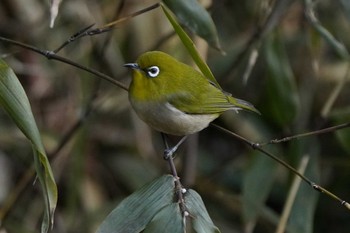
(153, 71)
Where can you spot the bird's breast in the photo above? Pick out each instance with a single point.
(166, 118)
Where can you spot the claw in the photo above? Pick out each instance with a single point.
(169, 153)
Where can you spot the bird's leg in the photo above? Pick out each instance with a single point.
(169, 151)
(180, 190)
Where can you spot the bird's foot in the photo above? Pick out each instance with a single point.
(168, 153)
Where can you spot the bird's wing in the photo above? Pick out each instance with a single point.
(205, 102)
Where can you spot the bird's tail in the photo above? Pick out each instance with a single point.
(244, 105)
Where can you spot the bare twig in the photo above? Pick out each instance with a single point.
(52, 56)
(179, 189)
(108, 27)
(313, 133)
(256, 146)
(74, 37)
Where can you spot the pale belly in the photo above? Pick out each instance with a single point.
(168, 119)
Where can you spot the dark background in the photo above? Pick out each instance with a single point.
(112, 153)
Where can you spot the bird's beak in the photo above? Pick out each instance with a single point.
(134, 66)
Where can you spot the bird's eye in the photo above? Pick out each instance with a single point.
(153, 71)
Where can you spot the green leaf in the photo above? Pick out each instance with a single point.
(14, 100)
(282, 101)
(188, 43)
(152, 209)
(135, 212)
(194, 16)
(201, 221)
(168, 219)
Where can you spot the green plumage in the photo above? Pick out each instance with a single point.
(177, 85)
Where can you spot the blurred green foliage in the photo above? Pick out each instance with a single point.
(299, 82)
(15, 102)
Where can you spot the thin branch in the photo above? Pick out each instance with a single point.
(52, 56)
(106, 28)
(114, 23)
(74, 37)
(256, 146)
(313, 133)
(179, 189)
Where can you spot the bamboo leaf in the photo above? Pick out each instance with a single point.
(188, 43)
(202, 222)
(168, 219)
(195, 17)
(135, 212)
(14, 100)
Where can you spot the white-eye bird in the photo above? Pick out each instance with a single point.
(174, 98)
